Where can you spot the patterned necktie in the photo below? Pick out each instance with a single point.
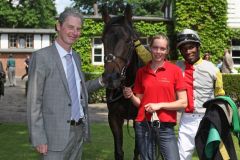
(77, 111)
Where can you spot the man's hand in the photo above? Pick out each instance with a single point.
(103, 80)
(42, 148)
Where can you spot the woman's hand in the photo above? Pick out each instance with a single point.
(152, 107)
(127, 92)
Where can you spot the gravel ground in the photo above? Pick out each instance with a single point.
(13, 105)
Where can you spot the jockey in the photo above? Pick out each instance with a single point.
(204, 82)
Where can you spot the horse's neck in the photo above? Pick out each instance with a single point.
(132, 69)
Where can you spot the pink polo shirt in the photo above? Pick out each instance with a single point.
(158, 87)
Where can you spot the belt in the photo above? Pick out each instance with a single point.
(76, 123)
(158, 124)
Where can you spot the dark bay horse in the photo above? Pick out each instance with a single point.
(120, 66)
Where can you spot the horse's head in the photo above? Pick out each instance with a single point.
(118, 37)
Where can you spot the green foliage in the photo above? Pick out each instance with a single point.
(86, 6)
(8, 14)
(91, 28)
(37, 14)
(231, 86)
(116, 7)
(28, 14)
(149, 29)
(146, 8)
(83, 47)
(98, 96)
(209, 18)
(235, 34)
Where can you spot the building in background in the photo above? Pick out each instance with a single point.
(234, 23)
(22, 42)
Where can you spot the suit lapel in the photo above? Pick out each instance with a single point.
(59, 64)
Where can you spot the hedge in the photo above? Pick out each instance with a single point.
(232, 86)
(230, 82)
(98, 96)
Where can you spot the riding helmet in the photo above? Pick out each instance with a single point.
(187, 35)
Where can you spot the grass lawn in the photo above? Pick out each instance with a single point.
(15, 146)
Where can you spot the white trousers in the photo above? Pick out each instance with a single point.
(188, 127)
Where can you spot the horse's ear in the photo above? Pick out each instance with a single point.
(105, 16)
(128, 13)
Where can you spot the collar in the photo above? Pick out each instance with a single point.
(150, 70)
(196, 63)
(62, 52)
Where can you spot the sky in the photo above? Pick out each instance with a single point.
(61, 4)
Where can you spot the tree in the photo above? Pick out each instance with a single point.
(27, 13)
(87, 6)
(115, 7)
(7, 14)
(146, 8)
(37, 13)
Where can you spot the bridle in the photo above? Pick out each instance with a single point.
(111, 58)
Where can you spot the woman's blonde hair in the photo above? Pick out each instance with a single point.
(159, 36)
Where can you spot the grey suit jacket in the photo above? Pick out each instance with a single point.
(48, 99)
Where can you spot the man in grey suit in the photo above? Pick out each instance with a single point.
(57, 101)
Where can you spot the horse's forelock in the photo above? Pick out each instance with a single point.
(114, 21)
(117, 21)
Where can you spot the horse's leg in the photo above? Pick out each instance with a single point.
(116, 125)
